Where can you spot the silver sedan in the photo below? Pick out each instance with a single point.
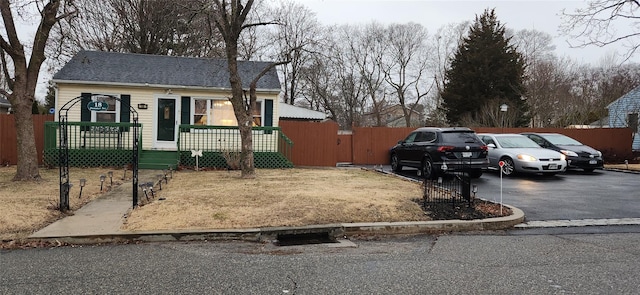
(519, 154)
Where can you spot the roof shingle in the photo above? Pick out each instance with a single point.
(131, 68)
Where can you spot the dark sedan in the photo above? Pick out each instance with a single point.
(579, 156)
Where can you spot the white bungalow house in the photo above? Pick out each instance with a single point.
(623, 112)
(182, 105)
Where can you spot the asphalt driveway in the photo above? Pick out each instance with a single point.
(571, 195)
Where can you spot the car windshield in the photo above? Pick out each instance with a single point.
(516, 142)
(559, 139)
(460, 137)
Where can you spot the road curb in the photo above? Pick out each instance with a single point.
(622, 170)
(339, 230)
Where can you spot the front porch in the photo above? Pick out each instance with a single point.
(111, 145)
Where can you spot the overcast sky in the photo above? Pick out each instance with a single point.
(541, 15)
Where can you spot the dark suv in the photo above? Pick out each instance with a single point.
(438, 150)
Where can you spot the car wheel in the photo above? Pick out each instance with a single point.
(395, 163)
(588, 170)
(428, 171)
(475, 173)
(509, 168)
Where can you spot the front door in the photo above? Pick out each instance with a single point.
(166, 124)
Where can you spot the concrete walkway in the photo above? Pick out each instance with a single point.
(101, 221)
(101, 217)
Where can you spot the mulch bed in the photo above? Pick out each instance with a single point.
(478, 209)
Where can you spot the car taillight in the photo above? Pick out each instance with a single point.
(445, 148)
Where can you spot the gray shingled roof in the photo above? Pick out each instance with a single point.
(130, 68)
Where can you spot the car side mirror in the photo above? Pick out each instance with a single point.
(400, 141)
(491, 145)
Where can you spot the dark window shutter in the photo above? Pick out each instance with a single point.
(125, 112)
(268, 114)
(85, 113)
(185, 112)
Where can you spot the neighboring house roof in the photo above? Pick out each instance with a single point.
(620, 111)
(634, 94)
(288, 111)
(159, 70)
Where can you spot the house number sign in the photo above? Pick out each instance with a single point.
(97, 106)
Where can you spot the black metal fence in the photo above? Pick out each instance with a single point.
(452, 189)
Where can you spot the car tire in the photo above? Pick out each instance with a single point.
(476, 173)
(588, 170)
(395, 163)
(428, 170)
(509, 168)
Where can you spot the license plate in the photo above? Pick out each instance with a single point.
(593, 162)
(467, 154)
(553, 166)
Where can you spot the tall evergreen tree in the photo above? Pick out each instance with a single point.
(486, 71)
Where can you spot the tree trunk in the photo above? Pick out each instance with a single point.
(246, 157)
(27, 168)
(242, 112)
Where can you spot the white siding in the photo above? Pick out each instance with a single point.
(139, 95)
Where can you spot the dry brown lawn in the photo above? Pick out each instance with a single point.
(278, 197)
(221, 199)
(28, 206)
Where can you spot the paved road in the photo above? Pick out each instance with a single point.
(450, 264)
(571, 195)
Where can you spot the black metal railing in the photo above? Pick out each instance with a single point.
(455, 189)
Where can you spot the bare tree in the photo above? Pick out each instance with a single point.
(21, 74)
(534, 45)
(229, 17)
(446, 41)
(602, 23)
(296, 35)
(160, 27)
(348, 84)
(405, 65)
(364, 48)
(537, 52)
(318, 87)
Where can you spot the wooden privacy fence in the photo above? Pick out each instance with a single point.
(614, 143)
(314, 143)
(8, 139)
(320, 144)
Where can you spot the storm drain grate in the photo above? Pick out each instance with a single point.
(304, 239)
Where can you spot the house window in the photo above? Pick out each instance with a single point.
(257, 114)
(200, 112)
(215, 112)
(108, 115)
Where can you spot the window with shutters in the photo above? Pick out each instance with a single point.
(219, 112)
(112, 111)
(111, 114)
